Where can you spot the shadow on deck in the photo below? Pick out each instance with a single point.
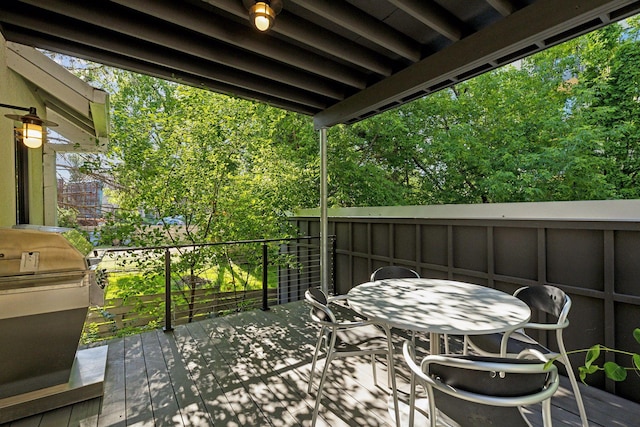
(251, 369)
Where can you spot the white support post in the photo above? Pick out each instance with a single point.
(324, 220)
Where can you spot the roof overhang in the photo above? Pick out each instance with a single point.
(502, 43)
(338, 61)
(80, 110)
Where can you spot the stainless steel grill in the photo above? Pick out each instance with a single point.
(44, 297)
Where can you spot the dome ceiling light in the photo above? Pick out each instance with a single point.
(262, 14)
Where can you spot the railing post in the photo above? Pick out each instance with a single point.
(167, 291)
(265, 278)
(334, 247)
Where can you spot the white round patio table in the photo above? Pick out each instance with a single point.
(438, 306)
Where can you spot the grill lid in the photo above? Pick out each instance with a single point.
(34, 251)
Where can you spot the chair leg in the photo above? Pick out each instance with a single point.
(392, 373)
(576, 390)
(315, 359)
(412, 400)
(373, 367)
(316, 408)
(433, 415)
(572, 378)
(546, 413)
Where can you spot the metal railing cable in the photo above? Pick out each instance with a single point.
(195, 281)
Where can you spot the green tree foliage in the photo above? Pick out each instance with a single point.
(229, 168)
(560, 125)
(67, 217)
(609, 95)
(364, 167)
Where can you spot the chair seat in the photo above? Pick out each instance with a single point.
(361, 339)
(483, 382)
(471, 414)
(517, 343)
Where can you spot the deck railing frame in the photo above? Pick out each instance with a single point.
(288, 295)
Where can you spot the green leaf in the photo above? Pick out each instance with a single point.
(592, 355)
(582, 372)
(592, 369)
(615, 371)
(636, 334)
(636, 360)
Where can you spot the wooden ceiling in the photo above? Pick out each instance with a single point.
(337, 60)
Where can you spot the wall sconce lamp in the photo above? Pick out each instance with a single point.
(262, 14)
(31, 125)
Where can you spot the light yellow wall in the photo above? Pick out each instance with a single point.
(16, 91)
(7, 155)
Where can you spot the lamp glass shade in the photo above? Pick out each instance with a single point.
(261, 22)
(262, 16)
(32, 135)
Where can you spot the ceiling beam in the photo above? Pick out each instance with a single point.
(155, 54)
(242, 36)
(353, 19)
(112, 59)
(433, 16)
(191, 44)
(522, 34)
(314, 36)
(127, 63)
(504, 7)
(325, 41)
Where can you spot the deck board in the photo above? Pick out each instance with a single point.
(85, 414)
(252, 369)
(113, 411)
(266, 336)
(164, 404)
(137, 394)
(249, 366)
(192, 408)
(226, 397)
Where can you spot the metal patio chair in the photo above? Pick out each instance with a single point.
(333, 339)
(393, 272)
(477, 391)
(546, 299)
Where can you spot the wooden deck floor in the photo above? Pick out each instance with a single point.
(252, 369)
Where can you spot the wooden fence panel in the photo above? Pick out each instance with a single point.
(119, 316)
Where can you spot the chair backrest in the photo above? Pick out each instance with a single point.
(546, 298)
(319, 310)
(394, 272)
(493, 388)
(521, 377)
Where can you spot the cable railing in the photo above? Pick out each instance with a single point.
(164, 286)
